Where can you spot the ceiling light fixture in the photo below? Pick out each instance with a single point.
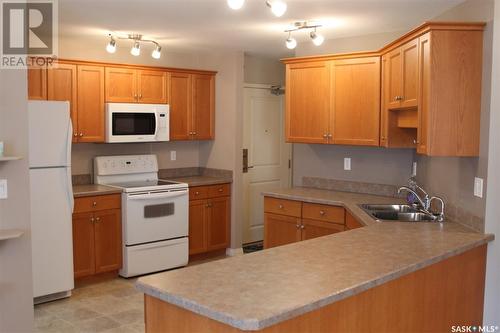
(136, 48)
(317, 38)
(235, 4)
(278, 7)
(291, 43)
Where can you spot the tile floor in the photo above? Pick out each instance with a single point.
(111, 306)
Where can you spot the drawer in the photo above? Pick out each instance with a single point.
(323, 213)
(198, 192)
(283, 207)
(222, 190)
(100, 202)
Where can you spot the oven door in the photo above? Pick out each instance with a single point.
(155, 216)
(129, 126)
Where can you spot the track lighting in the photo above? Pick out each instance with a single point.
(235, 4)
(278, 7)
(111, 47)
(317, 39)
(291, 43)
(136, 48)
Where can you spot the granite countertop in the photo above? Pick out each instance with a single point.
(202, 180)
(304, 276)
(93, 189)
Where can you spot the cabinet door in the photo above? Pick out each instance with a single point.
(90, 103)
(37, 83)
(280, 230)
(197, 226)
(218, 223)
(312, 229)
(180, 105)
(424, 93)
(152, 87)
(203, 113)
(307, 102)
(409, 56)
(351, 222)
(392, 79)
(108, 240)
(61, 86)
(121, 85)
(356, 101)
(83, 244)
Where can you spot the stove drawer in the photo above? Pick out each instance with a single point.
(96, 203)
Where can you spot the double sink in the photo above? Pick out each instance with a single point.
(397, 213)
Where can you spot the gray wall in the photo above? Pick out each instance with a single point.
(371, 165)
(16, 291)
(453, 178)
(261, 70)
(492, 292)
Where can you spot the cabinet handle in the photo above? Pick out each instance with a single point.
(140, 96)
(220, 190)
(280, 206)
(194, 133)
(94, 204)
(135, 96)
(330, 135)
(321, 212)
(298, 226)
(325, 135)
(81, 134)
(75, 134)
(210, 204)
(92, 220)
(416, 141)
(97, 219)
(302, 226)
(196, 193)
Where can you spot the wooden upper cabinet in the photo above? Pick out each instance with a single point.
(180, 85)
(307, 102)
(355, 114)
(90, 103)
(121, 85)
(392, 79)
(203, 107)
(152, 87)
(410, 75)
(108, 240)
(37, 83)
(62, 86)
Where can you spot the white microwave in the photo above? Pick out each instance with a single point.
(127, 122)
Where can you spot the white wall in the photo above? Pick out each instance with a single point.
(16, 291)
(492, 293)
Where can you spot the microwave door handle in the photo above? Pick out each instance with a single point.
(157, 195)
(157, 129)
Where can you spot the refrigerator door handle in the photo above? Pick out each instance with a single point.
(68, 166)
(69, 141)
(70, 189)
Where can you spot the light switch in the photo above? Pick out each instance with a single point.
(173, 155)
(3, 189)
(347, 163)
(478, 187)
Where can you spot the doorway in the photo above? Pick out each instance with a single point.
(269, 156)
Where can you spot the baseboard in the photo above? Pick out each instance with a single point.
(234, 252)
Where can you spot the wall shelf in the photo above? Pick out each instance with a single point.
(9, 158)
(6, 234)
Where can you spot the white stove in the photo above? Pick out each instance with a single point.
(154, 213)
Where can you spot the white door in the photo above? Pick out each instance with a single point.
(268, 155)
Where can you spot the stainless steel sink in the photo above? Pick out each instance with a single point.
(399, 213)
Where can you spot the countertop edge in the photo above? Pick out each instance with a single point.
(255, 324)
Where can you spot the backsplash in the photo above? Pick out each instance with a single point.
(350, 186)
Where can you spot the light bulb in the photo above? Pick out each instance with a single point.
(136, 50)
(156, 52)
(291, 43)
(235, 4)
(278, 7)
(317, 39)
(111, 47)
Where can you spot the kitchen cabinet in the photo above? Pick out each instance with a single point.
(97, 235)
(209, 218)
(290, 221)
(37, 83)
(192, 106)
(129, 85)
(90, 122)
(351, 222)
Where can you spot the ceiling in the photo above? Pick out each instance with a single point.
(207, 24)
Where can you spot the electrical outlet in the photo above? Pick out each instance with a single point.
(173, 155)
(3, 189)
(414, 170)
(478, 187)
(347, 163)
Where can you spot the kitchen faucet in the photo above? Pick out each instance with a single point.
(424, 201)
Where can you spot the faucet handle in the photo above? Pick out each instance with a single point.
(440, 214)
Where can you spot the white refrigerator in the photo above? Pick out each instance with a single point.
(50, 134)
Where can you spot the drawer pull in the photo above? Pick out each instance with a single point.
(196, 193)
(94, 204)
(298, 226)
(220, 190)
(302, 226)
(321, 212)
(280, 206)
(92, 220)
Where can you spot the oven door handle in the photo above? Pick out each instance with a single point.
(157, 195)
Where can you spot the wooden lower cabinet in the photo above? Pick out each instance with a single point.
(209, 218)
(290, 221)
(97, 238)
